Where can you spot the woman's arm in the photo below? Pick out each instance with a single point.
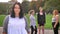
(38, 17)
(57, 19)
(27, 27)
(5, 23)
(44, 17)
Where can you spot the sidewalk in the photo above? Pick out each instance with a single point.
(46, 31)
(1, 30)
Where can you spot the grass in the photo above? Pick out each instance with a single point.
(1, 19)
(48, 21)
(48, 24)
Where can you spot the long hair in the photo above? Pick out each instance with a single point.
(21, 11)
(55, 11)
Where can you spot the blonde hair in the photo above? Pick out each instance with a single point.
(30, 12)
(55, 12)
(40, 8)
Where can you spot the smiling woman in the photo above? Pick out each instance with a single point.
(13, 23)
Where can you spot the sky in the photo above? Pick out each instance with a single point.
(9, 0)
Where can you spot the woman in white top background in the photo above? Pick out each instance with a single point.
(32, 22)
(55, 21)
(15, 23)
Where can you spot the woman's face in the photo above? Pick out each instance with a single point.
(17, 9)
(41, 9)
(33, 12)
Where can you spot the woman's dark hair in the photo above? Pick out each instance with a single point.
(21, 11)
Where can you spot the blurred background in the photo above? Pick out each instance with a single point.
(48, 6)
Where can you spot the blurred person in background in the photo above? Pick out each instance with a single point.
(41, 20)
(32, 22)
(55, 21)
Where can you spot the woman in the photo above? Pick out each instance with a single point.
(55, 21)
(15, 23)
(33, 22)
(41, 20)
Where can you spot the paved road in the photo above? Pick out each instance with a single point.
(1, 30)
(46, 31)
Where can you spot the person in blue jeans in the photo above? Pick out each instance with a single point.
(33, 22)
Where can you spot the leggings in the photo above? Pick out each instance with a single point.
(55, 29)
(32, 30)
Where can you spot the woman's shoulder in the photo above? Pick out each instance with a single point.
(57, 15)
(7, 16)
(25, 17)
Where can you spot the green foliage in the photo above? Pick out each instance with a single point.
(48, 24)
(25, 5)
(33, 5)
(1, 19)
(48, 5)
(3, 8)
(52, 4)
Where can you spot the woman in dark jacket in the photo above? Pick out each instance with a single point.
(41, 19)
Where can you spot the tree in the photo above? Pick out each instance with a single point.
(50, 5)
(25, 5)
(4, 8)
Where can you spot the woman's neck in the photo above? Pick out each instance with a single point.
(41, 11)
(32, 14)
(17, 15)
